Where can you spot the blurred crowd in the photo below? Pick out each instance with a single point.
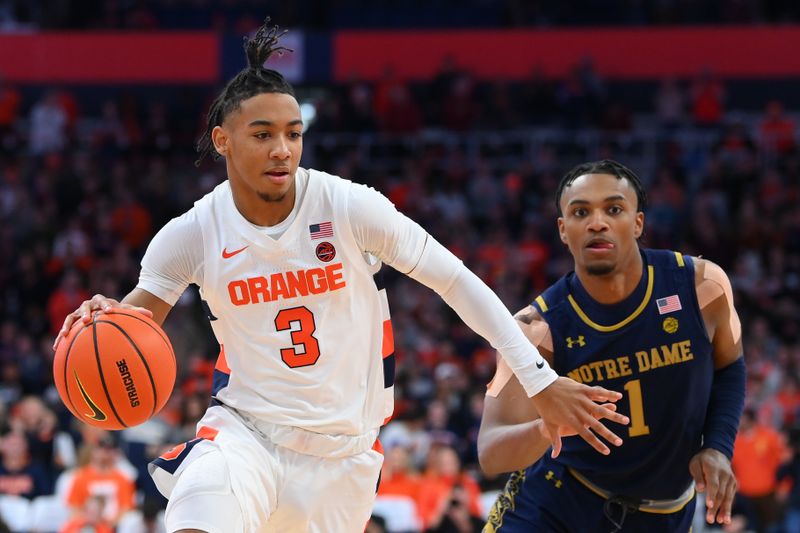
(82, 193)
(237, 15)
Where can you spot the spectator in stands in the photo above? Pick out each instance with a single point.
(90, 519)
(790, 472)
(400, 114)
(538, 99)
(398, 475)
(48, 125)
(708, 99)
(130, 220)
(19, 474)
(455, 514)
(10, 100)
(69, 291)
(442, 474)
(670, 103)
(460, 108)
(102, 480)
(758, 453)
(37, 423)
(776, 130)
(354, 109)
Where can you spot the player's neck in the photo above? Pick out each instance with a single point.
(615, 286)
(265, 213)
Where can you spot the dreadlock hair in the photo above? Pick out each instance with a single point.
(250, 81)
(606, 166)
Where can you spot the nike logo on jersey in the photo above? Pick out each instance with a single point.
(227, 255)
(540, 364)
(97, 414)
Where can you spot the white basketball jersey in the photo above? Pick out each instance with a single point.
(303, 327)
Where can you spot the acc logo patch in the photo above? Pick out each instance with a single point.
(325, 252)
(670, 324)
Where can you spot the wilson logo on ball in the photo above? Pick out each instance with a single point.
(325, 252)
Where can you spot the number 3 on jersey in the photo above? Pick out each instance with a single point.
(302, 336)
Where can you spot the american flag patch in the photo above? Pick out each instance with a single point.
(321, 230)
(668, 304)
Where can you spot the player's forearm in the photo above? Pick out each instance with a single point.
(509, 448)
(484, 313)
(141, 298)
(725, 407)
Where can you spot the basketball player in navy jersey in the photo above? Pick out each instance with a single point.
(655, 325)
(285, 258)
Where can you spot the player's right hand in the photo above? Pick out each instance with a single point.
(568, 407)
(99, 303)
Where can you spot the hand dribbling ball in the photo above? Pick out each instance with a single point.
(116, 371)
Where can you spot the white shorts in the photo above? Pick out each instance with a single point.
(232, 479)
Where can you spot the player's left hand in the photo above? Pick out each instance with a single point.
(713, 475)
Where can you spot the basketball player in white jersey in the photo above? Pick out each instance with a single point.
(285, 259)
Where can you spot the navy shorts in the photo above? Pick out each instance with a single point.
(547, 498)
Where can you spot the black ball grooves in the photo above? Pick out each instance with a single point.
(75, 410)
(144, 362)
(100, 369)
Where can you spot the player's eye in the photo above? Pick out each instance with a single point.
(261, 135)
(295, 135)
(579, 212)
(615, 209)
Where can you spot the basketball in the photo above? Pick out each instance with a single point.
(115, 372)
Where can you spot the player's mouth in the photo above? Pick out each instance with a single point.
(600, 245)
(278, 176)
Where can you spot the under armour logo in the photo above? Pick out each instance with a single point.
(580, 341)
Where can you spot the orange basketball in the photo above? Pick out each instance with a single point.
(117, 371)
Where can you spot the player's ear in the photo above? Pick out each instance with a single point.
(220, 140)
(638, 224)
(562, 232)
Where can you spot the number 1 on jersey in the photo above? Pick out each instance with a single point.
(638, 426)
(301, 337)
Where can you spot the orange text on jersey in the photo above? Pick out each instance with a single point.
(285, 285)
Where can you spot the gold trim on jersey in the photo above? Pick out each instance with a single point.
(679, 259)
(505, 501)
(542, 304)
(589, 322)
(647, 506)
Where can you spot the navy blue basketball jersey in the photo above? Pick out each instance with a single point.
(653, 348)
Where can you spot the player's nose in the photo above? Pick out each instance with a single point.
(597, 221)
(280, 150)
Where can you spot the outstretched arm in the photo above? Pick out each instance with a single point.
(398, 241)
(512, 435)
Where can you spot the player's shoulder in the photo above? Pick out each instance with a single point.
(320, 177)
(663, 258)
(330, 184)
(711, 281)
(535, 328)
(528, 315)
(184, 227)
(707, 271)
